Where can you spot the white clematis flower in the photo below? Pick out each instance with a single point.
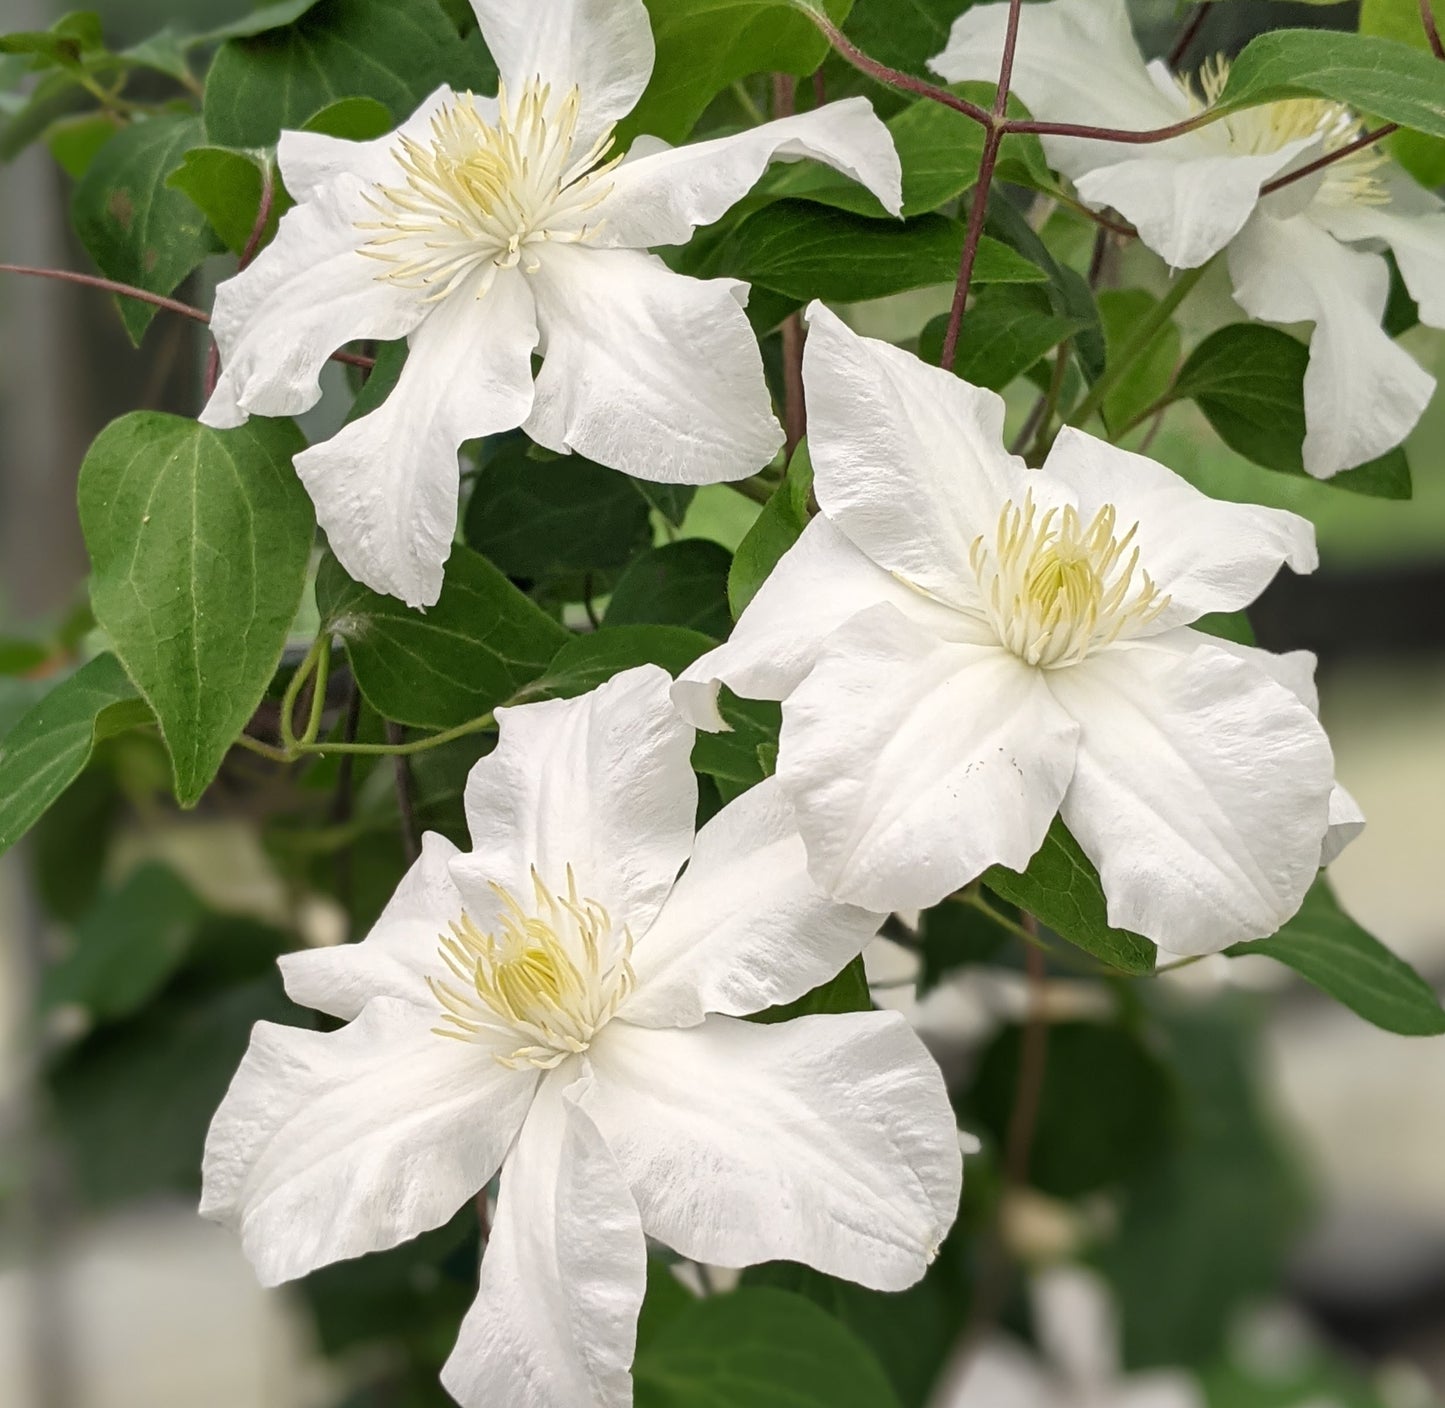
(1078, 1367)
(1306, 253)
(558, 1003)
(966, 647)
(485, 230)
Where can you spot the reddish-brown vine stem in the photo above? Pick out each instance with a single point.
(978, 210)
(795, 413)
(1432, 30)
(1188, 34)
(141, 295)
(1329, 158)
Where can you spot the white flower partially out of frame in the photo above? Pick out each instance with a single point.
(966, 647)
(1078, 1367)
(559, 1003)
(485, 230)
(1307, 253)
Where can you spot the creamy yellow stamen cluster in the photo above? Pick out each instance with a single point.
(1056, 587)
(483, 190)
(552, 975)
(1257, 131)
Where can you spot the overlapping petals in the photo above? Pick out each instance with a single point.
(1032, 659)
(485, 230)
(556, 1002)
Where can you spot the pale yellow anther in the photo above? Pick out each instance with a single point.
(1257, 131)
(1056, 587)
(552, 974)
(482, 189)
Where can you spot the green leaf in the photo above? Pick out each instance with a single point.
(805, 251)
(679, 584)
(1105, 1105)
(758, 1348)
(1329, 949)
(1148, 377)
(136, 228)
(199, 541)
(744, 754)
(70, 38)
(1249, 382)
(74, 142)
(352, 119)
(903, 33)
(394, 53)
(587, 661)
(49, 745)
(276, 15)
(704, 45)
(479, 645)
(1062, 889)
(666, 1298)
(225, 186)
(1423, 157)
(553, 519)
(1381, 77)
(672, 501)
(127, 946)
(775, 530)
(1006, 329)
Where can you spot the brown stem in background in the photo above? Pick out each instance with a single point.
(405, 803)
(978, 209)
(341, 803)
(1097, 257)
(1187, 35)
(795, 410)
(1432, 30)
(820, 87)
(141, 295)
(248, 253)
(1033, 1059)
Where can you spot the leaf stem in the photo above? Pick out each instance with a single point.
(748, 103)
(1432, 30)
(309, 665)
(1147, 330)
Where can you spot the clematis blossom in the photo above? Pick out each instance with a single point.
(966, 648)
(558, 1003)
(486, 230)
(1309, 252)
(1078, 1364)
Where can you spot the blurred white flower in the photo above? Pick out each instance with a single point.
(1308, 252)
(966, 647)
(1078, 1366)
(559, 1004)
(485, 230)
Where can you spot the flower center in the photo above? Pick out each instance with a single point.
(551, 976)
(481, 191)
(1352, 180)
(1056, 588)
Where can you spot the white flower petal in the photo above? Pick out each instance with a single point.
(308, 292)
(1413, 225)
(827, 1140)
(1186, 208)
(1001, 1374)
(1076, 1325)
(1201, 791)
(819, 583)
(1363, 394)
(603, 48)
(908, 460)
(1295, 670)
(745, 927)
(915, 764)
(311, 160)
(1209, 555)
(1076, 61)
(331, 1144)
(600, 783)
(647, 371)
(396, 957)
(555, 1319)
(1164, 1388)
(661, 194)
(385, 486)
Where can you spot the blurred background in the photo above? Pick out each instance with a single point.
(113, 1297)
